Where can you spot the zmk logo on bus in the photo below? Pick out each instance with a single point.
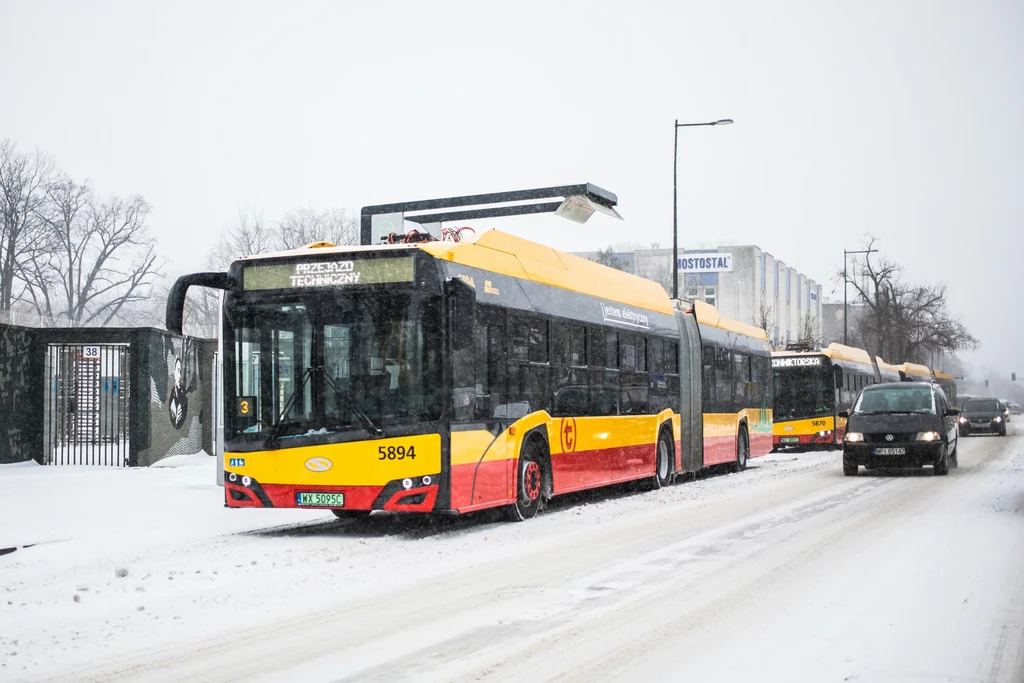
(319, 464)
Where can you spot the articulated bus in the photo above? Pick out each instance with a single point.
(811, 387)
(913, 372)
(887, 372)
(450, 375)
(948, 384)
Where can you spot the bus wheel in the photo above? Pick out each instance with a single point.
(529, 483)
(742, 451)
(663, 462)
(351, 514)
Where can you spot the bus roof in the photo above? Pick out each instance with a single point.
(707, 314)
(939, 374)
(887, 367)
(834, 351)
(916, 369)
(507, 254)
(848, 353)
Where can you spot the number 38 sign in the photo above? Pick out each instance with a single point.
(90, 353)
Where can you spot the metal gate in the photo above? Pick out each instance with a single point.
(87, 401)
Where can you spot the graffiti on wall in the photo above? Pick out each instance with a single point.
(183, 380)
(177, 383)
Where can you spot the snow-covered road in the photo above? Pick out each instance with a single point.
(786, 572)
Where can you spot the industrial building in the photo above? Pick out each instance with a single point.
(744, 282)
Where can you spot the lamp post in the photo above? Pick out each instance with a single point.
(675, 197)
(846, 253)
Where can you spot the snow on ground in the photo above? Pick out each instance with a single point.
(146, 573)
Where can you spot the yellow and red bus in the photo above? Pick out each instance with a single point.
(948, 384)
(448, 376)
(811, 387)
(887, 372)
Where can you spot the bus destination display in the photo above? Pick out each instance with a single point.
(340, 273)
(797, 362)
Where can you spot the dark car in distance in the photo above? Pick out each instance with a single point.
(983, 416)
(900, 424)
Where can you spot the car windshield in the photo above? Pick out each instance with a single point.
(982, 405)
(896, 399)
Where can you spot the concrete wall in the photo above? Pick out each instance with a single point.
(155, 387)
(20, 395)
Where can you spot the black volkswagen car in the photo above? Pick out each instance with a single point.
(900, 424)
(983, 416)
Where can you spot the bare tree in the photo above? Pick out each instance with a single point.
(810, 330)
(249, 234)
(23, 182)
(608, 257)
(300, 227)
(904, 322)
(764, 317)
(101, 259)
(662, 274)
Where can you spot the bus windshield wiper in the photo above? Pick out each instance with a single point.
(351, 401)
(274, 433)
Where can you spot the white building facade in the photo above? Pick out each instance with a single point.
(744, 283)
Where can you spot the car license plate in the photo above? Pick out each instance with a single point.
(333, 500)
(790, 439)
(979, 423)
(890, 451)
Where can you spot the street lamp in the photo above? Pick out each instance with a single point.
(846, 253)
(675, 194)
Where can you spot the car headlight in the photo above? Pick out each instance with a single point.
(997, 419)
(964, 420)
(928, 436)
(854, 437)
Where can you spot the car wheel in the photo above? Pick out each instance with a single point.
(1003, 433)
(529, 483)
(941, 466)
(850, 469)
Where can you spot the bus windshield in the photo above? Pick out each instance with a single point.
(803, 392)
(337, 363)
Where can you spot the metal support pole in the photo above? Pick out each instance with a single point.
(675, 211)
(846, 329)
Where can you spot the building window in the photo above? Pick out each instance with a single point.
(705, 293)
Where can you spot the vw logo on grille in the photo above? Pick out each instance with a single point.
(888, 437)
(319, 464)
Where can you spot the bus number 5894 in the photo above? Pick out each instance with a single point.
(396, 453)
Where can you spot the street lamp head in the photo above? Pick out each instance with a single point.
(723, 122)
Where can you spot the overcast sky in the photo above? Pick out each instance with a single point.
(899, 118)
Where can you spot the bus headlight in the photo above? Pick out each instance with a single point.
(854, 437)
(928, 436)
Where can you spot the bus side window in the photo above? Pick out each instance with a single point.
(708, 363)
(724, 380)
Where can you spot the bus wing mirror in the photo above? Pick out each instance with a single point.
(462, 299)
(843, 414)
(175, 313)
(838, 372)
